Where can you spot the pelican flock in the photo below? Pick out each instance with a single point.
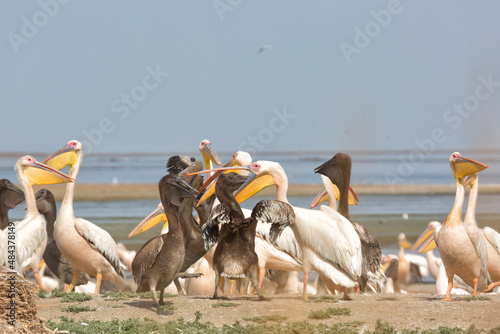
(208, 230)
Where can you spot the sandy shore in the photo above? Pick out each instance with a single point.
(131, 191)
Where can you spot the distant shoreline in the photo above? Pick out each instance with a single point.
(136, 191)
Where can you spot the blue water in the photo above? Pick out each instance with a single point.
(368, 168)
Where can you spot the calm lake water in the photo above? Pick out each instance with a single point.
(381, 214)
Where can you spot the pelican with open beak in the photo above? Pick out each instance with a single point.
(462, 246)
(31, 233)
(323, 196)
(86, 246)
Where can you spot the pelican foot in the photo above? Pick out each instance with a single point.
(263, 299)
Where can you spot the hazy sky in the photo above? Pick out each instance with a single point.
(160, 76)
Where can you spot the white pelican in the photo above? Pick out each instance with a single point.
(86, 246)
(329, 246)
(462, 247)
(491, 236)
(31, 233)
(338, 173)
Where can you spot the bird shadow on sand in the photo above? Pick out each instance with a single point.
(148, 305)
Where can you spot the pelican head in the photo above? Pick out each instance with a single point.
(208, 153)
(239, 158)
(426, 234)
(40, 173)
(462, 166)
(402, 241)
(265, 174)
(68, 155)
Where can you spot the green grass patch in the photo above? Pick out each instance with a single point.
(167, 307)
(330, 312)
(387, 298)
(117, 306)
(228, 304)
(324, 299)
(262, 319)
(472, 298)
(78, 309)
(75, 297)
(147, 325)
(42, 293)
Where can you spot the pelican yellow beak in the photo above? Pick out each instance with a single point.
(253, 185)
(463, 167)
(320, 198)
(323, 197)
(210, 155)
(405, 243)
(39, 173)
(153, 219)
(211, 184)
(62, 158)
(428, 246)
(428, 232)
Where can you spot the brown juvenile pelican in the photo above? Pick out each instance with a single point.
(10, 196)
(235, 255)
(338, 170)
(86, 246)
(31, 233)
(462, 246)
(159, 260)
(52, 256)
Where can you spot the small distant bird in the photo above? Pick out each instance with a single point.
(264, 48)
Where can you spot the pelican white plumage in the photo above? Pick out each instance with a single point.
(86, 246)
(329, 245)
(31, 233)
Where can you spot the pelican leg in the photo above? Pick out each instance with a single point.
(447, 297)
(492, 286)
(153, 294)
(218, 284)
(304, 291)
(178, 286)
(76, 273)
(232, 291)
(38, 279)
(475, 280)
(255, 283)
(262, 275)
(346, 294)
(161, 297)
(98, 276)
(357, 289)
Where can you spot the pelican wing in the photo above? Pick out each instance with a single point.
(146, 257)
(332, 237)
(101, 241)
(493, 237)
(31, 240)
(279, 214)
(220, 215)
(479, 243)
